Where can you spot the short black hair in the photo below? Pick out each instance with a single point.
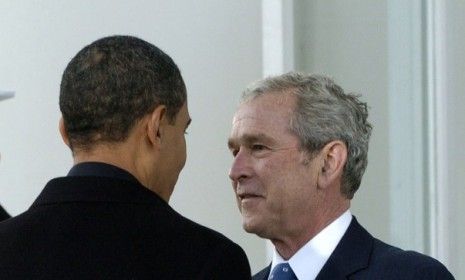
(111, 84)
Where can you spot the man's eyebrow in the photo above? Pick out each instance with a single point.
(248, 139)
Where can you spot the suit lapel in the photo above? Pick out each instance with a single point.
(263, 274)
(352, 254)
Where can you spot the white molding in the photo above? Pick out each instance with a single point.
(277, 47)
(437, 136)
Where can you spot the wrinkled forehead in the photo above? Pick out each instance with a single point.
(264, 115)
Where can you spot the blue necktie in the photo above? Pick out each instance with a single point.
(282, 271)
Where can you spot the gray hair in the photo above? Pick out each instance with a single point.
(324, 113)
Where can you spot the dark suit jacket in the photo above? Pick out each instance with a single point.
(110, 228)
(360, 256)
(3, 214)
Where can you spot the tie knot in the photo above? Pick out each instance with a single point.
(282, 271)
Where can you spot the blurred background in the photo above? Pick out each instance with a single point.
(405, 58)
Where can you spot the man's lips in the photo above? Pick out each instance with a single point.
(248, 196)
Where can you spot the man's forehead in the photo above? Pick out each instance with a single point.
(263, 114)
(250, 127)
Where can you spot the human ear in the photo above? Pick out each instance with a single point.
(334, 157)
(64, 134)
(155, 125)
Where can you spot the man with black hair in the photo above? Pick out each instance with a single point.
(124, 116)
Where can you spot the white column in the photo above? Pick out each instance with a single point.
(278, 36)
(437, 136)
(278, 46)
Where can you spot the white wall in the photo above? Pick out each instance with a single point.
(217, 45)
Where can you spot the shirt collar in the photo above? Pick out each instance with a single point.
(100, 169)
(310, 259)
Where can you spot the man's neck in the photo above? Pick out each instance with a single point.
(117, 155)
(289, 245)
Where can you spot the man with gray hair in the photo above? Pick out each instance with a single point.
(300, 147)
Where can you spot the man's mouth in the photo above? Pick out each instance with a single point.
(248, 196)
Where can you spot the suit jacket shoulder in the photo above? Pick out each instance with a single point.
(223, 258)
(3, 214)
(361, 256)
(262, 274)
(106, 228)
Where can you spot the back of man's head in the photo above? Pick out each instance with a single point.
(111, 84)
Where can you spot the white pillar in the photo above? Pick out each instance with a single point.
(437, 136)
(278, 36)
(278, 46)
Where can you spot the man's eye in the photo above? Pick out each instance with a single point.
(258, 147)
(234, 152)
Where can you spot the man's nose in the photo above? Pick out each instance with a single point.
(240, 167)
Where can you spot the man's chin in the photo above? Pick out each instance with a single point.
(248, 229)
(252, 227)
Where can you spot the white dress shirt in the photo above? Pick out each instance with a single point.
(310, 259)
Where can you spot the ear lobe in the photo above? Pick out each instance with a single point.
(156, 124)
(334, 159)
(64, 134)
